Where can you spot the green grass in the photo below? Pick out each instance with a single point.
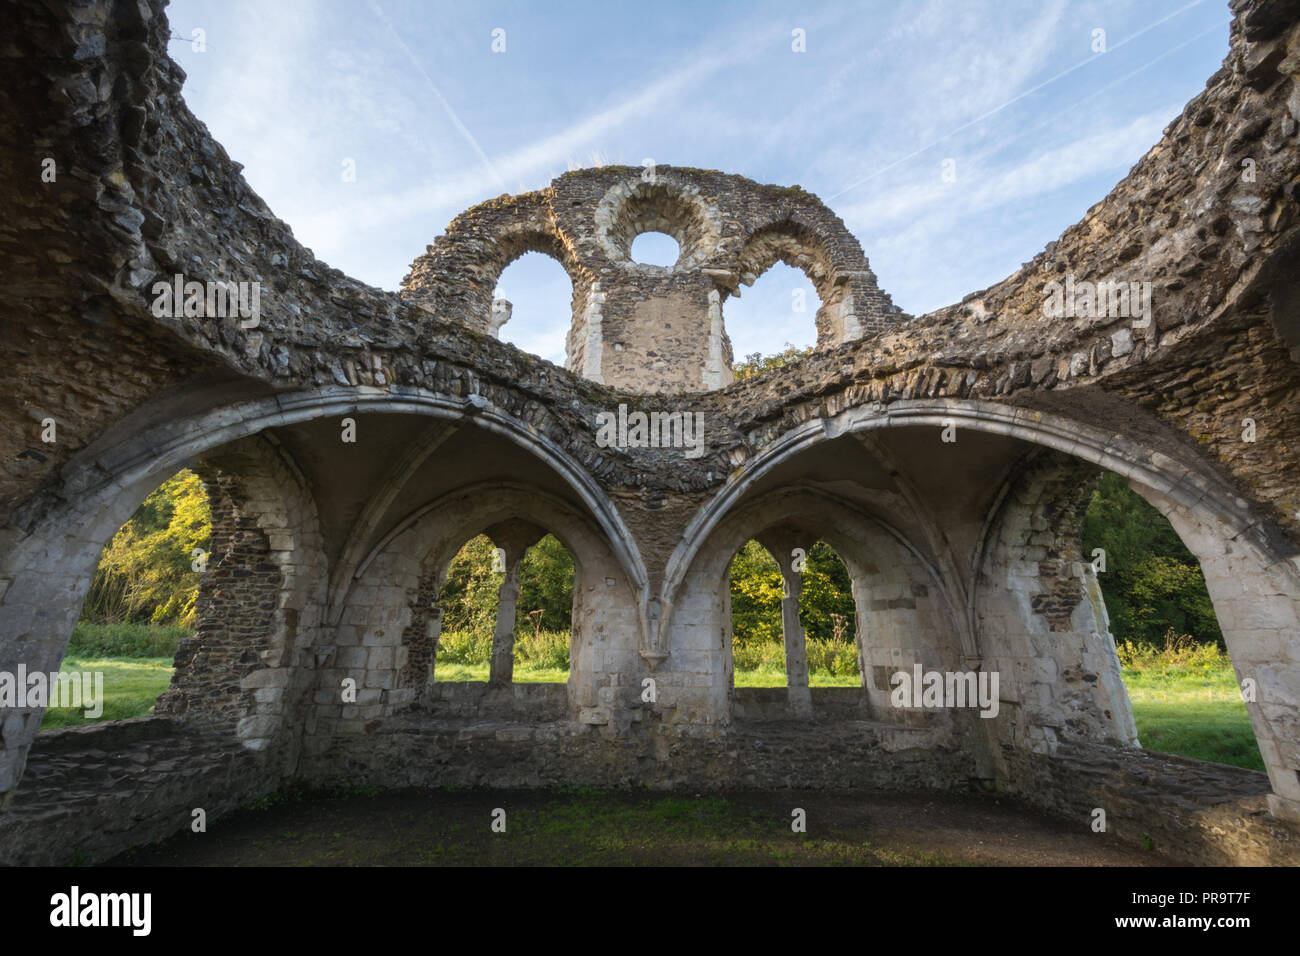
(131, 686)
(1186, 701)
(774, 677)
(125, 640)
(541, 658)
(479, 672)
(1185, 697)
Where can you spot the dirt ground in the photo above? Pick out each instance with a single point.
(595, 828)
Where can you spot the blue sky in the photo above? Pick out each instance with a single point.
(1037, 125)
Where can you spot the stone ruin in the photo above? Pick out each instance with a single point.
(947, 458)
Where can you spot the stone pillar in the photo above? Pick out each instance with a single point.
(502, 669)
(782, 544)
(512, 538)
(796, 655)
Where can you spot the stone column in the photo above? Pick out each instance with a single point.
(782, 544)
(502, 669)
(512, 538)
(796, 655)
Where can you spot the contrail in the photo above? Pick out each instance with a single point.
(451, 113)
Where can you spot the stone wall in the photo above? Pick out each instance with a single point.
(650, 328)
(1042, 623)
(249, 669)
(325, 558)
(92, 792)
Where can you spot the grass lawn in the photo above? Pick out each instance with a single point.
(1185, 702)
(771, 677)
(1192, 710)
(479, 672)
(131, 685)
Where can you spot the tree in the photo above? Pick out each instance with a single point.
(755, 595)
(1151, 582)
(470, 593)
(145, 573)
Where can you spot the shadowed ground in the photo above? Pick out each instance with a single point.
(593, 828)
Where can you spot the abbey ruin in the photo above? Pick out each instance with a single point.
(947, 458)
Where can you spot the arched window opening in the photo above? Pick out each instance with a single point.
(775, 317)
(533, 305)
(542, 624)
(140, 605)
(655, 249)
(826, 618)
(1174, 662)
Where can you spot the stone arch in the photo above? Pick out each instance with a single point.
(800, 247)
(1250, 572)
(1191, 485)
(456, 278)
(386, 622)
(656, 205)
(902, 604)
(49, 569)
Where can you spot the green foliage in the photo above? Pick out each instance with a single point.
(144, 574)
(826, 593)
(1152, 583)
(1186, 700)
(469, 595)
(545, 650)
(546, 585)
(756, 363)
(755, 596)
(125, 640)
(464, 647)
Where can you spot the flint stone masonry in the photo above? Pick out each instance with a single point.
(652, 328)
(328, 557)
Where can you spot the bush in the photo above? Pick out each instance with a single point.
(758, 655)
(145, 572)
(125, 640)
(1179, 652)
(837, 658)
(545, 650)
(465, 647)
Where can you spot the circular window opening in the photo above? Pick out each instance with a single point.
(655, 249)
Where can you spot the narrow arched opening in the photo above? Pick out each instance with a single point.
(533, 305)
(773, 323)
(487, 599)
